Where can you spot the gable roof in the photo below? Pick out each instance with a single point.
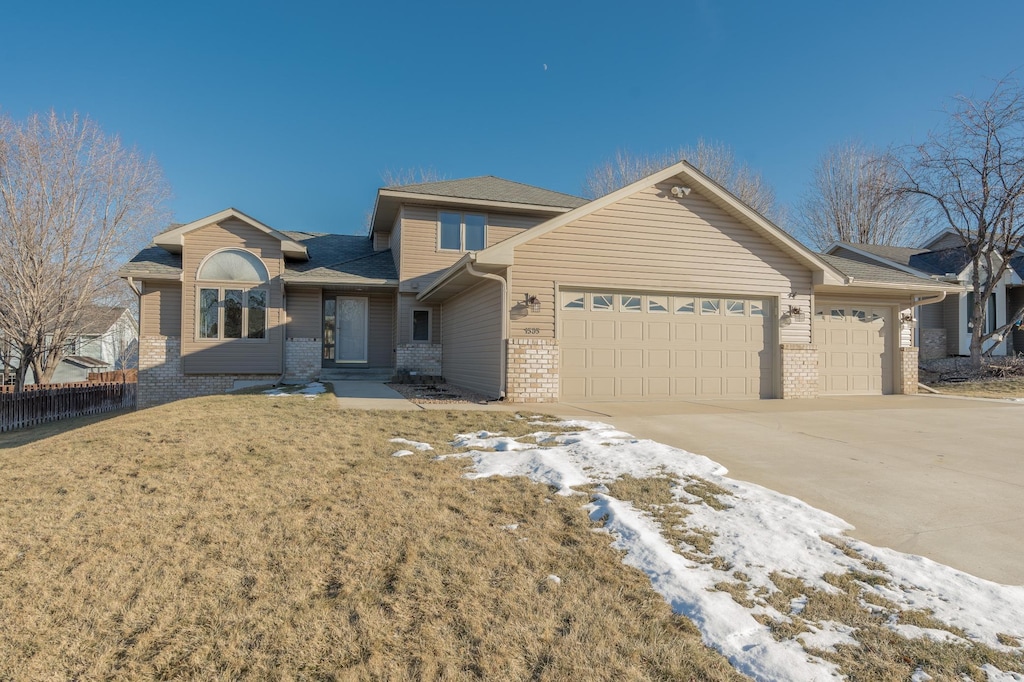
(502, 252)
(98, 319)
(483, 192)
(174, 238)
(942, 262)
(862, 273)
(332, 259)
(896, 254)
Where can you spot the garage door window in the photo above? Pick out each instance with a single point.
(756, 309)
(838, 314)
(860, 315)
(733, 307)
(572, 301)
(710, 306)
(602, 302)
(630, 304)
(685, 306)
(657, 304)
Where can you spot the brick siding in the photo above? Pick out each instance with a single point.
(908, 371)
(799, 370)
(532, 371)
(933, 344)
(161, 379)
(423, 358)
(302, 359)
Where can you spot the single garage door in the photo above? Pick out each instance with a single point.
(854, 354)
(639, 346)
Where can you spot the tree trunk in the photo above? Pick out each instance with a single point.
(976, 347)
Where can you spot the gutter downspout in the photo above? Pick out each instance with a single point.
(938, 298)
(504, 319)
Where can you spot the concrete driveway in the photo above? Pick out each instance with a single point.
(939, 477)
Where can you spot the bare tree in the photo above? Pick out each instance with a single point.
(394, 177)
(852, 198)
(73, 203)
(714, 159)
(971, 174)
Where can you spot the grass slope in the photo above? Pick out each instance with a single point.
(252, 538)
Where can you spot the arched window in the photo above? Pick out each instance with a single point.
(237, 310)
(233, 265)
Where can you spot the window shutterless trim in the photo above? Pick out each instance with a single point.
(220, 287)
(462, 231)
(412, 325)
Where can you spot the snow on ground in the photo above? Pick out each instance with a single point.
(759, 531)
(311, 390)
(416, 445)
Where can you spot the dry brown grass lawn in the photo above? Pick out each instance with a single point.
(252, 538)
(984, 388)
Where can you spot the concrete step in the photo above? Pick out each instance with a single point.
(356, 374)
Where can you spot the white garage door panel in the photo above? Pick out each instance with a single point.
(634, 346)
(854, 348)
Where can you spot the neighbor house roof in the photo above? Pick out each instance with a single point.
(492, 188)
(878, 274)
(98, 319)
(482, 193)
(897, 254)
(1017, 263)
(333, 259)
(942, 262)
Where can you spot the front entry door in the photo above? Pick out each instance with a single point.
(350, 333)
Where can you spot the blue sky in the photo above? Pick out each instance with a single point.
(290, 111)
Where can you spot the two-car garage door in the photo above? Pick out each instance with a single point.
(634, 346)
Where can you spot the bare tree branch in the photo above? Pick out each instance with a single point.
(73, 203)
(714, 159)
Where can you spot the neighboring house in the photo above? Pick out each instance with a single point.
(106, 340)
(670, 288)
(944, 330)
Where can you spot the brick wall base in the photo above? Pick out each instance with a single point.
(302, 359)
(161, 379)
(532, 367)
(907, 383)
(423, 358)
(799, 370)
(933, 344)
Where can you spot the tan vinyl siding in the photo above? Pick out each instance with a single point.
(305, 315)
(951, 320)
(232, 356)
(422, 260)
(931, 316)
(381, 313)
(406, 304)
(649, 242)
(471, 356)
(161, 309)
(381, 240)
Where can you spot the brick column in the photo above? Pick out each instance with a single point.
(799, 370)
(423, 358)
(532, 370)
(907, 384)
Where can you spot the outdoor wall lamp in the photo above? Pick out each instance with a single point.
(795, 311)
(532, 304)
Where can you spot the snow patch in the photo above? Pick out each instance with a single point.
(422, 447)
(402, 453)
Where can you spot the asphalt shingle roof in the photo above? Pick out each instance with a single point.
(491, 188)
(98, 319)
(867, 272)
(897, 254)
(333, 258)
(943, 261)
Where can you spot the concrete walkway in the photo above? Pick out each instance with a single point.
(369, 395)
(939, 477)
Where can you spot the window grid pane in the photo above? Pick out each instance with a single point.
(572, 301)
(421, 325)
(451, 231)
(602, 302)
(686, 305)
(734, 307)
(657, 304)
(232, 313)
(475, 233)
(257, 314)
(630, 303)
(756, 309)
(709, 306)
(208, 313)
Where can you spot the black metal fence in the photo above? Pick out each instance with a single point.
(47, 404)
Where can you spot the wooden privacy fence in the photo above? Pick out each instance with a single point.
(63, 401)
(129, 375)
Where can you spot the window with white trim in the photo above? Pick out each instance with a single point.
(572, 300)
(461, 231)
(234, 304)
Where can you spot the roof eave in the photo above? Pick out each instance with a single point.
(174, 240)
(383, 216)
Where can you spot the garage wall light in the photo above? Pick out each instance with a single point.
(532, 304)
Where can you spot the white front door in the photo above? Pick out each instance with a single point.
(351, 330)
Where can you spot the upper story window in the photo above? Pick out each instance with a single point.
(238, 308)
(462, 231)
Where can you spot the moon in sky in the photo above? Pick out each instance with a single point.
(545, 67)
